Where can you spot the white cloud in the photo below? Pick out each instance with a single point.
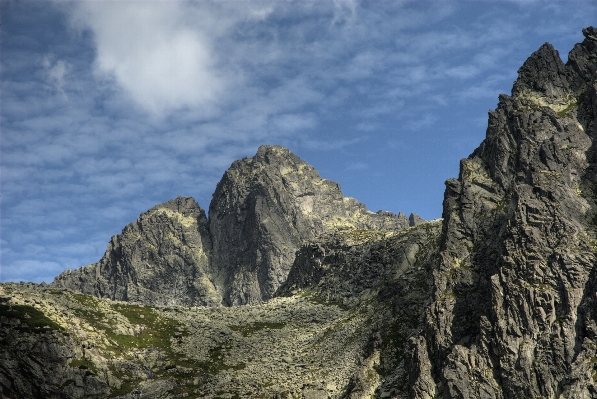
(225, 76)
(56, 72)
(156, 51)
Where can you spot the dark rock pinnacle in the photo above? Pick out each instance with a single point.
(514, 313)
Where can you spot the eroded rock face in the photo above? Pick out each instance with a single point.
(501, 304)
(39, 359)
(264, 208)
(358, 295)
(161, 259)
(514, 311)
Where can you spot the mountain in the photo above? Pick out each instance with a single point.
(498, 299)
(514, 311)
(262, 211)
(328, 338)
(161, 259)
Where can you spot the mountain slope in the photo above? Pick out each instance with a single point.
(161, 259)
(307, 344)
(514, 311)
(496, 300)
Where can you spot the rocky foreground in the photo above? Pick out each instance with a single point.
(327, 339)
(497, 300)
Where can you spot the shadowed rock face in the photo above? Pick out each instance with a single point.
(161, 259)
(514, 311)
(263, 210)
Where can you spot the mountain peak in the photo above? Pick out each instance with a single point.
(263, 209)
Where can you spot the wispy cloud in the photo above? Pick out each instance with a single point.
(56, 71)
(153, 52)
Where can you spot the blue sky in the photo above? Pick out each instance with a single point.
(109, 108)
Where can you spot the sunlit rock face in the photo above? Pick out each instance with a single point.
(161, 259)
(495, 300)
(514, 310)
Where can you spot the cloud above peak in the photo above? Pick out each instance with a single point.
(157, 52)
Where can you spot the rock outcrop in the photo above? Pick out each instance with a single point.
(161, 259)
(340, 333)
(40, 359)
(514, 313)
(263, 210)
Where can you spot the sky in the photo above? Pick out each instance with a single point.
(110, 108)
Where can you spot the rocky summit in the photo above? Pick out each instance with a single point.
(263, 210)
(498, 299)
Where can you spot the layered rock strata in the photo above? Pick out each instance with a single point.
(514, 313)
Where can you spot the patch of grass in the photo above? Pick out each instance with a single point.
(157, 333)
(216, 363)
(84, 364)
(125, 387)
(89, 311)
(86, 300)
(32, 319)
(565, 113)
(318, 300)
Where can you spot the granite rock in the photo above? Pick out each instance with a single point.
(161, 259)
(264, 209)
(514, 307)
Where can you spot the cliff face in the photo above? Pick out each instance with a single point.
(264, 209)
(388, 272)
(161, 259)
(337, 329)
(514, 311)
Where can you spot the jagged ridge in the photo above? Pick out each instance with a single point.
(262, 211)
(501, 304)
(514, 312)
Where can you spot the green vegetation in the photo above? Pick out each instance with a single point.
(84, 364)
(89, 312)
(566, 112)
(31, 319)
(318, 300)
(126, 387)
